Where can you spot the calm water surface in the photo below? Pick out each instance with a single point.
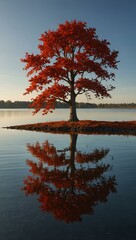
(17, 116)
(55, 186)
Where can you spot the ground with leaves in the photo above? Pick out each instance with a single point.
(86, 126)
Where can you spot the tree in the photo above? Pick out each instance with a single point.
(71, 61)
(67, 182)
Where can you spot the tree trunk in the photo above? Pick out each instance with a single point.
(73, 114)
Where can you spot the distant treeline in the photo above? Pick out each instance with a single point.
(26, 104)
(116, 105)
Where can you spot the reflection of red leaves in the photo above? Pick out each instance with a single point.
(65, 57)
(69, 207)
(47, 153)
(65, 188)
(65, 204)
(94, 157)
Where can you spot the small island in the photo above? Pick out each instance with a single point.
(83, 127)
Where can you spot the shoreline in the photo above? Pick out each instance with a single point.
(82, 127)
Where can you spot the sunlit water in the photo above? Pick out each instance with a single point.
(55, 186)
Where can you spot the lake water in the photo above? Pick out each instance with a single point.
(55, 186)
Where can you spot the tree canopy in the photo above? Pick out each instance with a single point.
(72, 60)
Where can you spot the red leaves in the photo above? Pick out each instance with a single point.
(34, 62)
(94, 86)
(66, 56)
(49, 96)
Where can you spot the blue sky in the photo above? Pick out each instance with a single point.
(23, 21)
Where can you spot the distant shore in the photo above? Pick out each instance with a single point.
(26, 105)
(83, 127)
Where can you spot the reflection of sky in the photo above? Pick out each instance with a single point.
(14, 117)
(22, 22)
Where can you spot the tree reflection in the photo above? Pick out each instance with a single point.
(68, 183)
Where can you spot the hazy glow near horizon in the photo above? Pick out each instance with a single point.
(22, 23)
